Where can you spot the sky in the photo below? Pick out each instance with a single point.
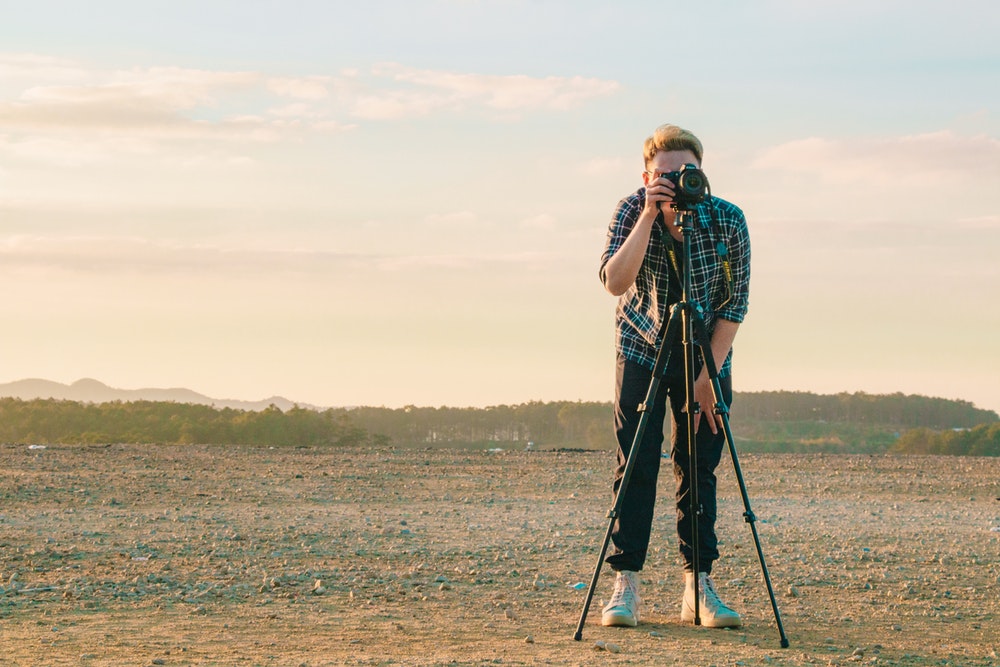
(404, 202)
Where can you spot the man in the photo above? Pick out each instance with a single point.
(641, 265)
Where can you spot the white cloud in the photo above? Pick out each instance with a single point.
(44, 101)
(301, 88)
(177, 87)
(30, 67)
(54, 151)
(295, 110)
(117, 255)
(943, 159)
(410, 263)
(465, 261)
(107, 113)
(432, 90)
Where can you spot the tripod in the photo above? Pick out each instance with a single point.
(685, 320)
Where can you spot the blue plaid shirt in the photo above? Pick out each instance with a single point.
(645, 306)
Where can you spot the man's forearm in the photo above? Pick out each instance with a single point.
(621, 270)
(722, 340)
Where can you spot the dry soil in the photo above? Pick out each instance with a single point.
(224, 555)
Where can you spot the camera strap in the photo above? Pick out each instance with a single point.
(721, 251)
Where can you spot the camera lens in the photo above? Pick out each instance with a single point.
(692, 182)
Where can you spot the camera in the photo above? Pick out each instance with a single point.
(690, 187)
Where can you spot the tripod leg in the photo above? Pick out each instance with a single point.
(751, 519)
(723, 410)
(578, 635)
(692, 415)
(662, 357)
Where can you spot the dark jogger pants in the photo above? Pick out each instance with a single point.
(631, 532)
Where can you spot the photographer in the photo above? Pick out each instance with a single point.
(641, 266)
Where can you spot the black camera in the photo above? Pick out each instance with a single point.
(690, 187)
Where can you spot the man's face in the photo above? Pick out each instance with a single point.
(665, 162)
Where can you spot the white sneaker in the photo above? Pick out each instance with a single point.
(623, 610)
(713, 611)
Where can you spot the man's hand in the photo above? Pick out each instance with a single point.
(706, 401)
(705, 398)
(722, 343)
(660, 199)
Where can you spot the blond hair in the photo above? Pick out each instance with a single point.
(671, 138)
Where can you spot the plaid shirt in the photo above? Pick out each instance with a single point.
(645, 306)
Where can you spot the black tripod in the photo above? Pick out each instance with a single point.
(685, 319)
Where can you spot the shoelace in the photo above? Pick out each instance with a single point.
(625, 593)
(712, 599)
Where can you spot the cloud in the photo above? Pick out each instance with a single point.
(54, 151)
(91, 256)
(118, 255)
(45, 101)
(30, 67)
(301, 88)
(171, 87)
(156, 104)
(426, 91)
(464, 261)
(941, 159)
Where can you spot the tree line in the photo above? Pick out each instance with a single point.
(982, 440)
(899, 410)
(775, 421)
(762, 421)
(155, 422)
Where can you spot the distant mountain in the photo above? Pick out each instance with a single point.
(94, 391)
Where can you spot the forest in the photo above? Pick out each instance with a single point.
(761, 422)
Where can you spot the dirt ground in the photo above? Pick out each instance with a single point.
(191, 555)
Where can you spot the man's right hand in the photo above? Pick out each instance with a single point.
(660, 199)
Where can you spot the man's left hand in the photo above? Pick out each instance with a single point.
(706, 401)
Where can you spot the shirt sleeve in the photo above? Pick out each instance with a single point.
(622, 222)
(735, 309)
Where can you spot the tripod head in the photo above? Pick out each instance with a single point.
(683, 218)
